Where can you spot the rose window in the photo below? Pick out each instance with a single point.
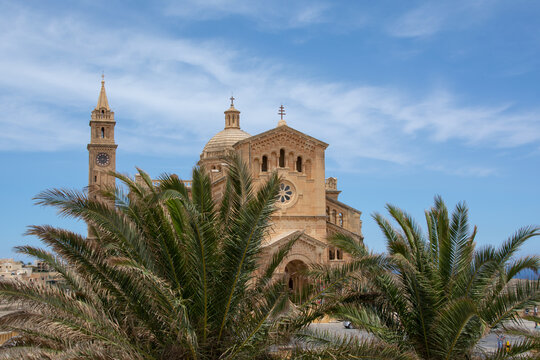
(285, 193)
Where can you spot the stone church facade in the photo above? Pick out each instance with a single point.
(307, 206)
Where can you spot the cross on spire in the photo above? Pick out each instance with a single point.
(281, 111)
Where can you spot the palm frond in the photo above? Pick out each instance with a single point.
(323, 345)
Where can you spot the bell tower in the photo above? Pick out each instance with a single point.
(101, 149)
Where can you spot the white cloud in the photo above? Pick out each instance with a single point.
(24, 122)
(169, 95)
(432, 17)
(465, 171)
(279, 14)
(422, 21)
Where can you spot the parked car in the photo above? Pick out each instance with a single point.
(348, 325)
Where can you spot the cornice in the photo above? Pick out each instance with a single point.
(339, 203)
(101, 146)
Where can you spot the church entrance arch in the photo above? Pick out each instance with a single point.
(294, 277)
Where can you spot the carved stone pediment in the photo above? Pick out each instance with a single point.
(303, 240)
(276, 137)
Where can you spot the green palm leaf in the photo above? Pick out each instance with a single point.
(440, 296)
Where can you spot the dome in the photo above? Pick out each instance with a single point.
(222, 140)
(226, 138)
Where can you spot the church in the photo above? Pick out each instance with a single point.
(307, 206)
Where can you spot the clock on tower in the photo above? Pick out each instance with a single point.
(101, 149)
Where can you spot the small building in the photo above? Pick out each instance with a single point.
(37, 272)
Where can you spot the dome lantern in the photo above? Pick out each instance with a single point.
(232, 116)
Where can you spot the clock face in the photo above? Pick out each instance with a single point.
(103, 159)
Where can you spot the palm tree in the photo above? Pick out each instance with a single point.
(168, 273)
(328, 288)
(442, 295)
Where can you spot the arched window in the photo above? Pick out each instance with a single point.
(341, 219)
(331, 254)
(102, 132)
(339, 254)
(282, 158)
(264, 165)
(299, 164)
(327, 214)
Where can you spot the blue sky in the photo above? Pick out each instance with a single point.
(415, 98)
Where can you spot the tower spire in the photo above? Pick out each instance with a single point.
(102, 103)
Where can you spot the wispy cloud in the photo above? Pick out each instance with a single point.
(422, 21)
(465, 171)
(276, 15)
(23, 122)
(432, 17)
(169, 95)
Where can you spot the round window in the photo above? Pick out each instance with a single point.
(285, 194)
